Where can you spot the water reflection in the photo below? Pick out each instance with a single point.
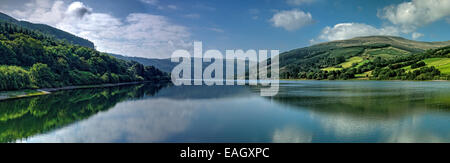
(292, 134)
(144, 118)
(303, 112)
(23, 118)
(127, 122)
(383, 100)
(374, 111)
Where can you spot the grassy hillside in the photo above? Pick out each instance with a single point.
(443, 64)
(347, 64)
(358, 57)
(58, 34)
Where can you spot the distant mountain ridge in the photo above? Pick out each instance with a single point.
(346, 59)
(46, 29)
(164, 65)
(391, 40)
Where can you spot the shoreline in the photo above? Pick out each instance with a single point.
(86, 87)
(10, 95)
(367, 80)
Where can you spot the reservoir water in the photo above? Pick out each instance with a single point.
(303, 112)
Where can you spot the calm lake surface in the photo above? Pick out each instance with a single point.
(304, 111)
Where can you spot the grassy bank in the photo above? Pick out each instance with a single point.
(6, 95)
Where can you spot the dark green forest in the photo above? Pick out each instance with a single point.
(32, 59)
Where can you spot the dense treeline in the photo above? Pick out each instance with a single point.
(31, 59)
(425, 73)
(380, 68)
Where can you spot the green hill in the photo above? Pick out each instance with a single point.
(32, 59)
(355, 58)
(58, 34)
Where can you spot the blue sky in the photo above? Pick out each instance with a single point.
(155, 28)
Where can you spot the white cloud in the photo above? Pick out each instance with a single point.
(40, 11)
(78, 9)
(291, 20)
(142, 35)
(417, 13)
(416, 35)
(406, 18)
(299, 2)
(150, 2)
(350, 30)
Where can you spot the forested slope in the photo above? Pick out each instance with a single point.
(48, 30)
(32, 59)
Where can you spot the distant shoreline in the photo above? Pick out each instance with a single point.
(87, 86)
(9, 95)
(366, 80)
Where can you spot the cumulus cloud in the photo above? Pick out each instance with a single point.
(417, 13)
(40, 11)
(142, 35)
(298, 2)
(350, 30)
(405, 17)
(78, 9)
(291, 20)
